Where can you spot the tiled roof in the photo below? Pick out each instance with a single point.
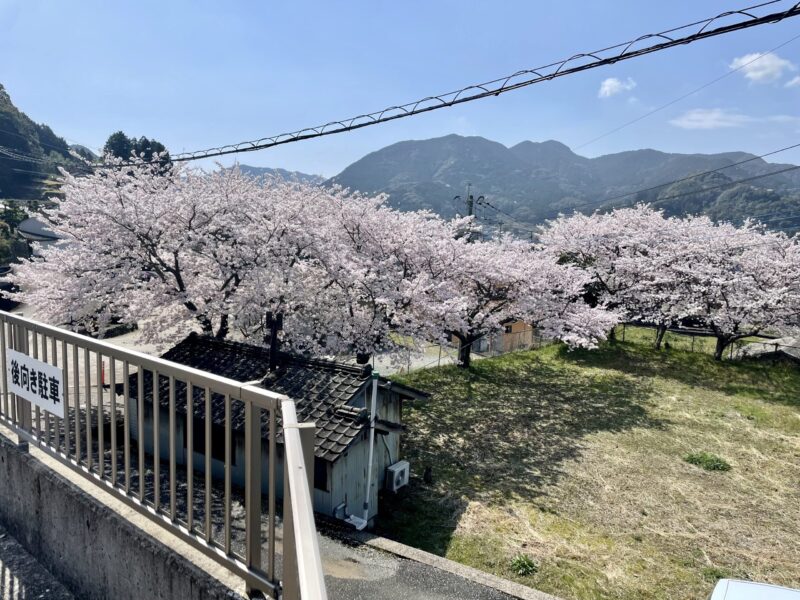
(324, 391)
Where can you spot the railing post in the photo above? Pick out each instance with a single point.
(24, 418)
(252, 449)
(291, 582)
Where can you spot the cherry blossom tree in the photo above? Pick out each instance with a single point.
(738, 281)
(363, 273)
(215, 251)
(181, 250)
(663, 271)
(628, 253)
(471, 289)
(149, 247)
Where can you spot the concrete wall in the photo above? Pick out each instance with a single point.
(96, 551)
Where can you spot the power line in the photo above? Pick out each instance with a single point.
(775, 213)
(513, 221)
(33, 172)
(730, 183)
(672, 182)
(11, 154)
(40, 142)
(689, 177)
(686, 95)
(787, 216)
(524, 78)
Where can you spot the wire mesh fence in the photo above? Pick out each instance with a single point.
(689, 340)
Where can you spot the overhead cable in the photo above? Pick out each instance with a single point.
(687, 94)
(645, 44)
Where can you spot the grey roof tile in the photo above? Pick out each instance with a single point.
(322, 389)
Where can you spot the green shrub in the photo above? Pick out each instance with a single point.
(707, 461)
(523, 565)
(714, 574)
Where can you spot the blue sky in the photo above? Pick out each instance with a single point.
(200, 73)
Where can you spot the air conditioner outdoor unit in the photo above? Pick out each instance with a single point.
(397, 475)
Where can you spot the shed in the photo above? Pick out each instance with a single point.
(333, 395)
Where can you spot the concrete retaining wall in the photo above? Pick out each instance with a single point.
(93, 549)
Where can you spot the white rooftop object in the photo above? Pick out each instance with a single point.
(732, 589)
(787, 346)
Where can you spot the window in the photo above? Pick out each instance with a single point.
(320, 474)
(509, 328)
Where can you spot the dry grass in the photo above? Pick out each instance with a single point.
(577, 460)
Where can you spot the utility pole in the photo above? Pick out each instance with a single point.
(470, 202)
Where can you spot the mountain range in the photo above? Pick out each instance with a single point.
(533, 181)
(282, 174)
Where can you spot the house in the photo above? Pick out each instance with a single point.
(335, 396)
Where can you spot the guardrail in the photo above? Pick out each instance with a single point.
(130, 429)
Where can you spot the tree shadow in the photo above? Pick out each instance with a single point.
(764, 379)
(501, 431)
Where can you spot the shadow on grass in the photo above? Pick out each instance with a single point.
(500, 431)
(764, 379)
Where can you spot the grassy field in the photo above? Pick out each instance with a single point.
(593, 466)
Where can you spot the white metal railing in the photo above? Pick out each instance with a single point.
(119, 443)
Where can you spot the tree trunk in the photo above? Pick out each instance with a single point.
(722, 343)
(612, 335)
(223, 330)
(465, 350)
(661, 330)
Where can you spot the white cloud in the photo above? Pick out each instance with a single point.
(710, 118)
(783, 119)
(612, 86)
(794, 82)
(721, 118)
(766, 69)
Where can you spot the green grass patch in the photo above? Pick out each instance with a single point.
(707, 461)
(714, 574)
(523, 565)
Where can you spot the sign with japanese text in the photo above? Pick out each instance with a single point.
(35, 381)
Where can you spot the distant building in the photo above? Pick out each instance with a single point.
(33, 230)
(515, 335)
(334, 396)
